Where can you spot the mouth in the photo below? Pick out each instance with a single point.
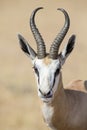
(46, 99)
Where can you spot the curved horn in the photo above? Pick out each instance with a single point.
(59, 38)
(41, 49)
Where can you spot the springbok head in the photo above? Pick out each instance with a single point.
(47, 66)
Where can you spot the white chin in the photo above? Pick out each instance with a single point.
(46, 100)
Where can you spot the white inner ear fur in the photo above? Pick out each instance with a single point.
(63, 56)
(64, 52)
(46, 75)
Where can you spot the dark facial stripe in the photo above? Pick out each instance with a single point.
(55, 75)
(37, 73)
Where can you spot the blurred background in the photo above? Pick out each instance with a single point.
(19, 103)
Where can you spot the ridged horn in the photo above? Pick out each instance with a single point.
(41, 49)
(59, 38)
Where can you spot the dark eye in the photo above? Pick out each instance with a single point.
(36, 71)
(57, 72)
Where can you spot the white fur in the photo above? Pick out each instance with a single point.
(46, 74)
(48, 112)
(46, 77)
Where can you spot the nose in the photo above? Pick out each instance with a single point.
(47, 95)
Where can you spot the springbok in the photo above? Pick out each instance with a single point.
(63, 108)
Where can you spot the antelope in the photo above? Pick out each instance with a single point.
(63, 108)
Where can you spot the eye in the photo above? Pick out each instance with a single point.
(57, 72)
(36, 71)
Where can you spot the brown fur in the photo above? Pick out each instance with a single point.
(47, 60)
(70, 107)
(78, 85)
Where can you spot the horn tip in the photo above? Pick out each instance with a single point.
(42, 7)
(61, 9)
(39, 8)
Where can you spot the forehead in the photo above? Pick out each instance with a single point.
(46, 62)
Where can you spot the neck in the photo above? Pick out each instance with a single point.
(54, 111)
(60, 96)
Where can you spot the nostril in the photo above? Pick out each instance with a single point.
(47, 95)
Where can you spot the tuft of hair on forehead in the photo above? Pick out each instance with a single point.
(47, 60)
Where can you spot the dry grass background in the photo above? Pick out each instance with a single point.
(19, 104)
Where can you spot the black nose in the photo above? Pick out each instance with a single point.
(47, 95)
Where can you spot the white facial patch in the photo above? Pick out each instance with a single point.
(47, 79)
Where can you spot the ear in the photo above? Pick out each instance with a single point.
(26, 47)
(68, 49)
